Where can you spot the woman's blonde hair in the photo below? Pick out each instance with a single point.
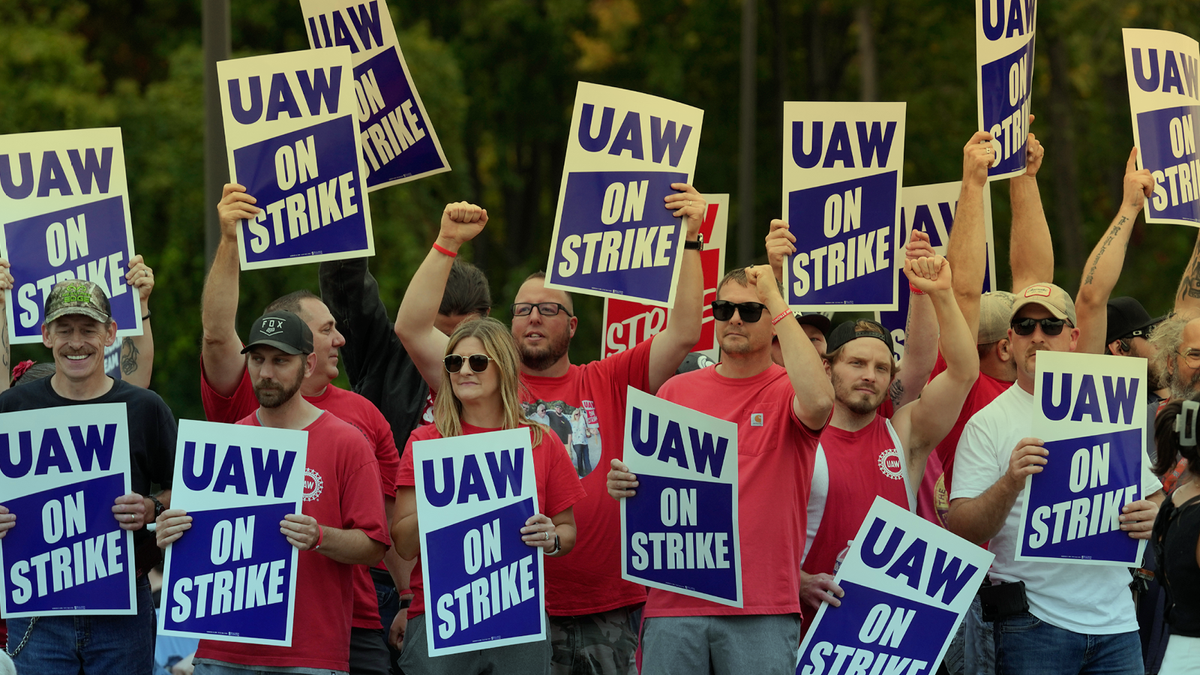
(498, 344)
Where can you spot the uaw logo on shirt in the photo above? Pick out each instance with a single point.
(313, 485)
(271, 326)
(890, 464)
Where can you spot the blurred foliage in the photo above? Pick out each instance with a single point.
(498, 79)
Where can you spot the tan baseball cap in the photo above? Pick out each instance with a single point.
(995, 313)
(1051, 297)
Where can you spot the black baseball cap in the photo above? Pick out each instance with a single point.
(847, 331)
(1127, 318)
(282, 330)
(816, 320)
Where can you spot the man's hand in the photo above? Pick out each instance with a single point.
(978, 157)
(6, 280)
(461, 222)
(763, 280)
(130, 511)
(301, 531)
(780, 244)
(929, 275)
(1137, 518)
(1027, 459)
(918, 246)
(687, 202)
(7, 521)
(818, 588)
(1034, 152)
(620, 481)
(141, 277)
(170, 526)
(399, 625)
(235, 205)
(1139, 184)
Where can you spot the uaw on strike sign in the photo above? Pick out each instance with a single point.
(64, 214)
(232, 576)
(61, 469)
(613, 236)
(1004, 38)
(293, 142)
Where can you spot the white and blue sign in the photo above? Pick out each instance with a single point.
(1163, 70)
(842, 170)
(931, 209)
(292, 135)
(232, 576)
(484, 586)
(398, 142)
(612, 235)
(1092, 418)
(61, 469)
(1004, 38)
(679, 532)
(64, 214)
(907, 584)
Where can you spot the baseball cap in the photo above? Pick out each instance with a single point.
(77, 296)
(1127, 318)
(816, 320)
(1051, 297)
(282, 330)
(995, 313)
(846, 331)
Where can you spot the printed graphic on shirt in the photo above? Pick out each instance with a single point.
(890, 465)
(313, 485)
(427, 416)
(577, 427)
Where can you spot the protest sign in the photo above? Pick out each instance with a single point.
(60, 474)
(232, 576)
(680, 531)
(612, 235)
(627, 324)
(842, 170)
(398, 142)
(907, 584)
(1004, 36)
(65, 215)
(484, 586)
(1164, 98)
(293, 142)
(1091, 415)
(931, 209)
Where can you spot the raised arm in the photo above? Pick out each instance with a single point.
(923, 424)
(1187, 298)
(352, 295)
(813, 399)
(672, 345)
(461, 222)
(967, 247)
(221, 348)
(1031, 253)
(6, 284)
(137, 353)
(921, 333)
(1105, 263)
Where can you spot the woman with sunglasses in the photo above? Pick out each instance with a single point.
(479, 392)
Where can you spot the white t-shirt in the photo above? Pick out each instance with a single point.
(1085, 599)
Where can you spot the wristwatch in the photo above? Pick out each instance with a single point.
(697, 245)
(158, 506)
(557, 545)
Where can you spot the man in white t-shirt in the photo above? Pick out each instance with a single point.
(1080, 618)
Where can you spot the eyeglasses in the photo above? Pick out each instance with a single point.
(1049, 326)
(749, 311)
(1191, 357)
(543, 308)
(477, 362)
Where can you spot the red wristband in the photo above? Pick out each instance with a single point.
(320, 536)
(914, 289)
(444, 251)
(776, 320)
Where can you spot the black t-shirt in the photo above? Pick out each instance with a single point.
(152, 430)
(1177, 563)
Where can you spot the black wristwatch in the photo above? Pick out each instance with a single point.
(697, 245)
(158, 506)
(557, 545)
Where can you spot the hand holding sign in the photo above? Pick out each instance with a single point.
(928, 275)
(1027, 459)
(130, 511)
(7, 521)
(1137, 518)
(620, 481)
(687, 202)
(170, 526)
(539, 533)
(234, 207)
(461, 222)
(303, 532)
(1034, 152)
(818, 588)
(978, 157)
(1139, 184)
(781, 243)
(141, 277)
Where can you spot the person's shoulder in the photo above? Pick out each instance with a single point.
(122, 390)
(686, 381)
(354, 404)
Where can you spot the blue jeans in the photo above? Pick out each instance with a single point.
(88, 644)
(1025, 644)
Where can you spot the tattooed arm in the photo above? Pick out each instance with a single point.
(137, 353)
(1108, 258)
(1188, 296)
(6, 283)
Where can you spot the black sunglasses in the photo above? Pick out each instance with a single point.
(1049, 326)
(749, 311)
(544, 308)
(478, 362)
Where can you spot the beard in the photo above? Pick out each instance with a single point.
(272, 394)
(857, 402)
(1182, 388)
(541, 358)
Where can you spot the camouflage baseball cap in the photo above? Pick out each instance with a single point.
(77, 296)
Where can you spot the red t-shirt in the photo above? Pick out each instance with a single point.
(350, 408)
(775, 464)
(342, 471)
(984, 391)
(589, 580)
(558, 488)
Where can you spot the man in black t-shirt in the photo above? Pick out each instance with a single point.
(77, 328)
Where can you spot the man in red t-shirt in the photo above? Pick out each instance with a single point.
(228, 396)
(779, 414)
(342, 524)
(864, 455)
(590, 606)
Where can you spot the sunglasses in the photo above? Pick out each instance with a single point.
(543, 308)
(477, 362)
(749, 311)
(1049, 326)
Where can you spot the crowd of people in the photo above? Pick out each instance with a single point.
(827, 421)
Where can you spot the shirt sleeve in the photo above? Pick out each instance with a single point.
(385, 450)
(405, 475)
(629, 368)
(563, 488)
(975, 461)
(227, 409)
